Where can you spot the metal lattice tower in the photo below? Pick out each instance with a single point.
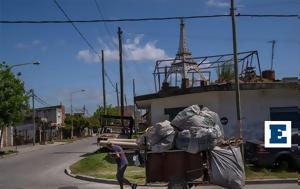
(184, 61)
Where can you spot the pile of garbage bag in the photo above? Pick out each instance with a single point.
(192, 130)
(158, 138)
(227, 167)
(197, 129)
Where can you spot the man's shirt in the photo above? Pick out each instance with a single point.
(123, 160)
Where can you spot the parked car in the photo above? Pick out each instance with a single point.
(283, 158)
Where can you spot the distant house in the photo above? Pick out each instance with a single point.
(49, 120)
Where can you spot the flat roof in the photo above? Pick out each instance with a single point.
(50, 107)
(217, 87)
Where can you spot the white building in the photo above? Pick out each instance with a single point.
(53, 116)
(209, 81)
(259, 102)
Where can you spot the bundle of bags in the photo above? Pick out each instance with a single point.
(196, 129)
(192, 130)
(158, 138)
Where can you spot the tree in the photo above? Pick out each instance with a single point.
(226, 72)
(100, 111)
(13, 99)
(79, 123)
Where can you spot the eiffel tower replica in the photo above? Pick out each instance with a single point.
(183, 62)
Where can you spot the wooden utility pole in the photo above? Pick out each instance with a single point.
(121, 74)
(272, 57)
(125, 98)
(103, 82)
(134, 109)
(33, 115)
(118, 99)
(236, 69)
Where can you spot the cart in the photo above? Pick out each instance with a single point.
(177, 168)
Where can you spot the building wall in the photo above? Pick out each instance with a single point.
(255, 105)
(50, 114)
(7, 137)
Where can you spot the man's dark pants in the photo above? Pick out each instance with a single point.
(120, 176)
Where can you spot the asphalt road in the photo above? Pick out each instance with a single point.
(43, 169)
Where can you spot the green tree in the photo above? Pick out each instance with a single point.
(13, 99)
(226, 72)
(100, 111)
(79, 123)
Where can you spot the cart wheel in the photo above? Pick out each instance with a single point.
(177, 183)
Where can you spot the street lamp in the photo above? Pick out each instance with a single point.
(72, 128)
(28, 63)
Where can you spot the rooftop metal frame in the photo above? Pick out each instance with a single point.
(247, 59)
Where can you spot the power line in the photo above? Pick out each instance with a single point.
(41, 101)
(75, 27)
(143, 19)
(81, 35)
(37, 98)
(102, 16)
(109, 33)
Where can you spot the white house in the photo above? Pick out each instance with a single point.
(209, 81)
(259, 102)
(52, 115)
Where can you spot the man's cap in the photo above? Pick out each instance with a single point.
(108, 143)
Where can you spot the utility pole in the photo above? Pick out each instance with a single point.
(72, 126)
(125, 98)
(121, 74)
(33, 115)
(134, 109)
(83, 110)
(103, 82)
(272, 57)
(237, 84)
(118, 102)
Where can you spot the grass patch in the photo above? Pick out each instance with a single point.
(102, 165)
(2, 153)
(263, 173)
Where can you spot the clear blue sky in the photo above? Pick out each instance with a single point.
(67, 65)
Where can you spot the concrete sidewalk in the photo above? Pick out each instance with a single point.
(28, 148)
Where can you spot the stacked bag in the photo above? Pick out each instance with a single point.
(159, 138)
(199, 129)
(192, 130)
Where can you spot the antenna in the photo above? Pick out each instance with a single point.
(272, 56)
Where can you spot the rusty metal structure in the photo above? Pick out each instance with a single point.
(186, 71)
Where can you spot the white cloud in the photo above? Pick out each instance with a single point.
(86, 56)
(36, 42)
(133, 50)
(218, 3)
(31, 44)
(22, 46)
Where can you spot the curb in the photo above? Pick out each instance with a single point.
(115, 182)
(9, 155)
(273, 181)
(24, 152)
(104, 181)
(32, 150)
(90, 179)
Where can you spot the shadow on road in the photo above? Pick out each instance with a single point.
(68, 187)
(69, 153)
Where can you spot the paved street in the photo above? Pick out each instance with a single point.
(44, 168)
